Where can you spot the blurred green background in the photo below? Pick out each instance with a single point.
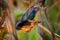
(53, 7)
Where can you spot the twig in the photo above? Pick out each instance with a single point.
(45, 29)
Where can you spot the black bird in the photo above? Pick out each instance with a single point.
(24, 21)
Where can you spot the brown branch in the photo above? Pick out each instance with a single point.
(4, 7)
(45, 29)
(3, 17)
(49, 24)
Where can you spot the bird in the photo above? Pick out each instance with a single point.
(23, 22)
